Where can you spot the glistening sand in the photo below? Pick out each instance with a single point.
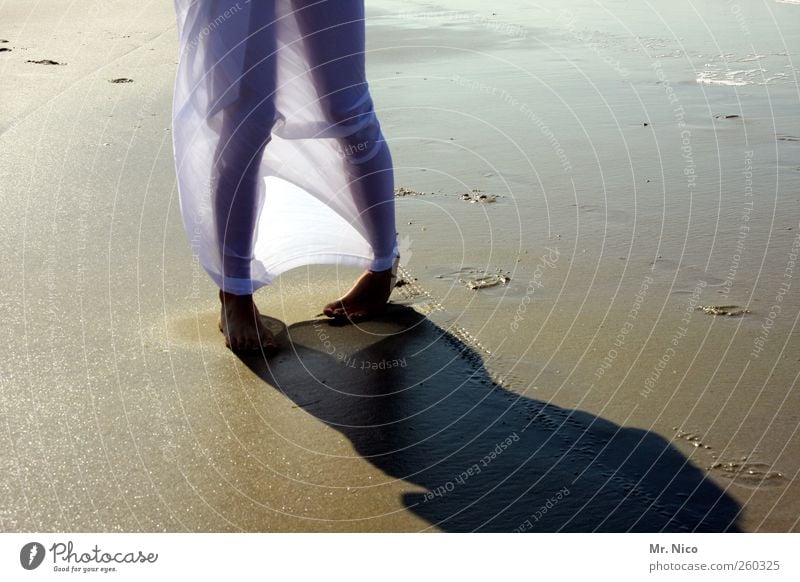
(644, 160)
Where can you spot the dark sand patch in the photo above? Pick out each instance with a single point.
(45, 62)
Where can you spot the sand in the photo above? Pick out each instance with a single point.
(547, 364)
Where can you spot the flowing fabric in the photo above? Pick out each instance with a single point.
(279, 154)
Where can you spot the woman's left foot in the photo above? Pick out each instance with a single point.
(367, 297)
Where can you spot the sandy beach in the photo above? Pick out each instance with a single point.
(596, 327)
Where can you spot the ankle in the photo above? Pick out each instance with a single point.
(226, 297)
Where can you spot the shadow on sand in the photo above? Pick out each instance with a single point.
(419, 405)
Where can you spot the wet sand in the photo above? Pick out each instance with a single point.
(582, 192)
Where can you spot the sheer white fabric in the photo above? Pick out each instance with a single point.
(279, 155)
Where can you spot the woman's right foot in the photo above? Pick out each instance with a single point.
(367, 297)
(241, 324)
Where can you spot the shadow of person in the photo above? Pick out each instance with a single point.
(418, 404)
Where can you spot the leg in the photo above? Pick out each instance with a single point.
(334, 38)
(244, 128)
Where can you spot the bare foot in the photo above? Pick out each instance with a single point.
(366, 298)
(240, 322)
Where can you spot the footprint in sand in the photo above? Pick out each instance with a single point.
(748, 474)
(479, 196)
(741, 471)
(475, 278)
(691, 437)
(45, 62)
(403, 191)
(732, 310)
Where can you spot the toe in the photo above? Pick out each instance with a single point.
(242, 343)
(230, 342)
(333, 309)
(268, 342)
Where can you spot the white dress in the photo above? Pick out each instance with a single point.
(279, 155)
